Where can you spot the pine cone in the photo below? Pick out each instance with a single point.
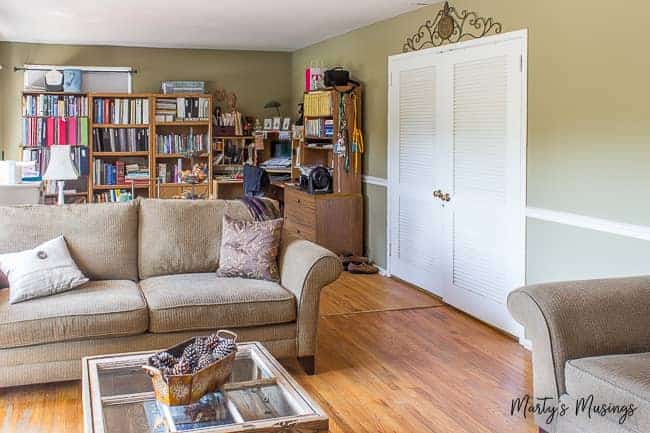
(182, 367)
(166, 359)
(205, 361)
(213, 340)
(190, 355)
(201, 345)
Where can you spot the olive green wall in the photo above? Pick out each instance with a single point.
(256, 77)
(588, 116)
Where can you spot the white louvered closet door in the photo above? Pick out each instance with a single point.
(484, 223)
(415, 219)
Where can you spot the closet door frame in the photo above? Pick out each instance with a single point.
(392, 143)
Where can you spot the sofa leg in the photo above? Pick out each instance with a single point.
(308, 364)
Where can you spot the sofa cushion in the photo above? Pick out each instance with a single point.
(614, 379)
(96, 309)
(203, 301)
(44, 270)
(183, 236)
(102, 238)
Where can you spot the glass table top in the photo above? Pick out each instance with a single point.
(258, 391)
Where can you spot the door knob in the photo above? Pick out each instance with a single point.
(445, 197)
(437, 193)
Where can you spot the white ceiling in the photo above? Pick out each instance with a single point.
(282, 25)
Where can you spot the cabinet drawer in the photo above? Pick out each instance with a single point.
(300, 208)
(304, 232)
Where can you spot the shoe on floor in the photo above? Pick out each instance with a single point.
(362, 268)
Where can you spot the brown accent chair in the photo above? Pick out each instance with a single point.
(591, 347)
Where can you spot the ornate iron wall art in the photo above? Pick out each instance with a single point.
(450, 26)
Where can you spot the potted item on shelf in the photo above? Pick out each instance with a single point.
(184, 373)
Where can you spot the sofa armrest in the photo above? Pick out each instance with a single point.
(578, 319)
(305, 268)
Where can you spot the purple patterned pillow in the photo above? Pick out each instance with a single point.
(249, 249)
(4, 282)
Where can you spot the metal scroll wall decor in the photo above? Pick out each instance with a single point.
(450, 26)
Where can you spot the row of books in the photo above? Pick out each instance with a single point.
(113, 196)
(178, 143)
(48, 131)
(170, 172)
(120, 140)
(169, 86)
(41, 157)
(318, 104)
(120, 173)
(55, 106)
(119, 111)
(319, 128)
(182, 109)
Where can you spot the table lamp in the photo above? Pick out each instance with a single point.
(60, 168)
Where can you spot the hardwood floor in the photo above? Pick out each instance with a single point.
(365, 293)
(416, 366)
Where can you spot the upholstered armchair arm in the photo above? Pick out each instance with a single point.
(579, 319)
(305, 268)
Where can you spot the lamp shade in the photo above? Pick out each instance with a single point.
(60, 166)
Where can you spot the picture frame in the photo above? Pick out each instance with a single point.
(277, 123)
(268, 124)
(286, 123)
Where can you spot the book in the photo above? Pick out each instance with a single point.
(121, 111)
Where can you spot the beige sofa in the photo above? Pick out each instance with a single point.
(152, 264)
(590, 338)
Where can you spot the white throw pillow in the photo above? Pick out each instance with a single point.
(43, 271)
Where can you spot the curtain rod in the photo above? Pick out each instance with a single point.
(85, 69)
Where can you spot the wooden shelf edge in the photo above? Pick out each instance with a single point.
(119, 154)
(119, 125)
(45, 92)
(184, 123)
(127, 186)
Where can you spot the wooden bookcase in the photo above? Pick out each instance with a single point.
(152, 156)
(319, 150)
(38, 150)
(141, 157)
(180, 127)
(333, 220)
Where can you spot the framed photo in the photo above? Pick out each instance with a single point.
(286, 123)
(277, 123)
(268, 124)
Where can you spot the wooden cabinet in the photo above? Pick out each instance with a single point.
(334, 221)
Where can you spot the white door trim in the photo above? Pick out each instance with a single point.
(519, 34)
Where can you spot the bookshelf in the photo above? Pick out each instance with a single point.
(322, 114)
(120, 147)
(182, 137)
(51, 118)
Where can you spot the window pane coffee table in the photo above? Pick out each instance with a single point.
(259, 397)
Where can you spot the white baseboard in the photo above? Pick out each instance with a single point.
(383, 272)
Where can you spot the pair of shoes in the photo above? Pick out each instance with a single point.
(362, 268)
(349, 258)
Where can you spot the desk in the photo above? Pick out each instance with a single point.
(20, 193)
(232, 189)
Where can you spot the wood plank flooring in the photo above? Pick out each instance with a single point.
(390, 359)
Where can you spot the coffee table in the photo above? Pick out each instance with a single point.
(259, 397)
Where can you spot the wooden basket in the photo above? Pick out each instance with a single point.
(189, 388)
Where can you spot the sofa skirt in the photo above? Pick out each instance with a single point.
(57, 362)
